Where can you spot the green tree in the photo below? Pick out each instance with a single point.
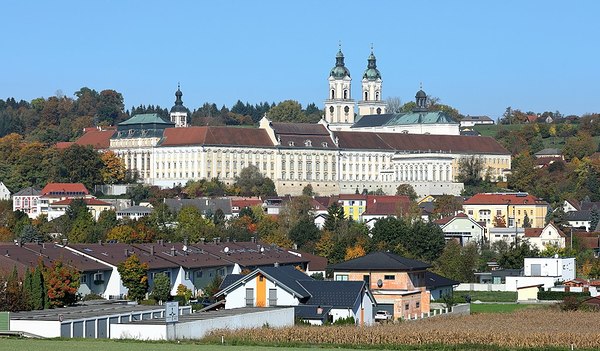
(308, 190)
(579, 146)
(594, 218)
(513, 258)
(30, 234)
(110, 107)
(213, 287)
(523, 172)
(334, 218)
(39, 294)
(82, 228)
(446, 205)
(526, 221)
(304, 234)
(134, 275)
(407, 190)
(470, 170)
(192, 225)
(161, 291)
(287, 111)
(77, 164)
(251, 182)
(13, 297)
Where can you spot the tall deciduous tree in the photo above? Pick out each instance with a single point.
(252, 183)
(114, 170)
(134, 275)
(62, 283)
(161, 291)
(407, 190)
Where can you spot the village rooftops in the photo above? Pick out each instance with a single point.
(504, 199)
(64, 189)
(48, 253)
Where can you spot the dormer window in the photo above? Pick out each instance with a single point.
(130, 132)
(307, 143)
(324, 144)
(291, 143)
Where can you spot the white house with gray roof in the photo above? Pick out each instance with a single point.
(4, 192)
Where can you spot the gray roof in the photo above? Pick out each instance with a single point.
(310, 312)
(287, 277)
(339, 294)
(230, 279)
(204, 205)
(407, 118)
(433, 281)
(549, 152)
(29, 191)
(379, 261)
(582, 215)
(476, 118)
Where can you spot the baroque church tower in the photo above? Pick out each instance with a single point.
(179, 113)
(371, 103)
(339, 106)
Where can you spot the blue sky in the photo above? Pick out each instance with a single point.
(478, 56)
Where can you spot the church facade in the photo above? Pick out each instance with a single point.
(343, 153)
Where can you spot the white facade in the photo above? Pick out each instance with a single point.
(27, 204)
(463, 229)
(4, 192)
(561, 268)
(549, 236)
(430, 128)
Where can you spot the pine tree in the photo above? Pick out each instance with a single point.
(38, 290)
(27, 284)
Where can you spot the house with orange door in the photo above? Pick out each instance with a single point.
(314, 301)
(398, 284)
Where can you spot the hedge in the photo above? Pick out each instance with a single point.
(560, 295)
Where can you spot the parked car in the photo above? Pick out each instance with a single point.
(383, 316)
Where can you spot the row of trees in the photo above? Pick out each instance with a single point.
(39, 288)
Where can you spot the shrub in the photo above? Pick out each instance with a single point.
(569, 303)
(560, 295)
(345, 321)
(92, 296)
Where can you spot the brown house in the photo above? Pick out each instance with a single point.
(398, 284)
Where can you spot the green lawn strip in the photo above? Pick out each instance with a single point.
(487, 296)
(501, 308)
(14, 344)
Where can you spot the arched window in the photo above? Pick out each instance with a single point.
(332, 94)
(345, 94)
(379, 110)
(366, 95)
(377, 96)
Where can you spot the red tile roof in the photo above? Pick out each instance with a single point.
(420, 142)
(216, 136)
(243, 203)
(503, 199)
(445, 220)
(88, 202)
(98, 138)
(64, 188)
(386, 204)
(352, 197)
(536, 232)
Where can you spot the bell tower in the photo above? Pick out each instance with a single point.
(339, 106)
(371, 102)
(179, 113)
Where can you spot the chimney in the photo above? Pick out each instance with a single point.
(151, 250)
(227, 239)
(202, 240)
(173, 251)
(126, 253)
(99, 242)
(43, 245)
(185, 241)
(276, 264)
(252, 239)
(65, 241)
(215, 241)
(319, 310)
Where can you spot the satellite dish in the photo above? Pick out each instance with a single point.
(262, 249)
(184, 248)
(226, 249)
(379, 283)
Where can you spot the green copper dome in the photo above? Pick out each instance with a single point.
(372, 72)
(339, 71)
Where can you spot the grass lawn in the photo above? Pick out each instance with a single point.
(491, 130)
(501, 307)
(114, 345)
(488, 296)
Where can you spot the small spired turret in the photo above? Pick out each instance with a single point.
(179, 113)
(371, 102)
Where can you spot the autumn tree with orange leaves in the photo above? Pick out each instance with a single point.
(62, 283)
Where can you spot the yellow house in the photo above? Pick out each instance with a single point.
(354, 205)
(528, 293)
(509, 209)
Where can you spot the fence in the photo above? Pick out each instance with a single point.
(480, 287)
(457, 310)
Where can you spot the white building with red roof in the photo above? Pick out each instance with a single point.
(54, 192)
(549, 235)
(461, 228)
(94, 206)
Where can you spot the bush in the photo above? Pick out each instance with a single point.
(345, 321)
(570, 303)
(560, 295)
(149, 302)
(92, 296)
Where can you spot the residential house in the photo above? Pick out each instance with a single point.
(506, 209)
(529, 292)
(462, 229)
(382, 206)
(239, 203)
(112, 254)
(551, 153)
(94, 206)
(397, 283)
(579, 214)
(4, 192)
(550, 235)
(439, 286)
(497, 276)
(353, 204)
(54, 192)
(543, 270)
(134, 212)
(94, 276)
(26, 200)
(470, 121)
(508, 235)
(317, 300)
(206, 206)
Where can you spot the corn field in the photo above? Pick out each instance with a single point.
(527, 328)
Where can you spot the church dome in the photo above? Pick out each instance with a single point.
(178, 107)
(421, 94)
(372, 72)
(340, 70)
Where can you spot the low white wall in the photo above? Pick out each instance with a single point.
(275, 318)
(138, 331)
(47, 329)
(481, 287)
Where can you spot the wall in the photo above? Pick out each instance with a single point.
(527, 294)
(47, 329)
(513, 282)
(555, 267)
(138, 331)
(480, 287)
